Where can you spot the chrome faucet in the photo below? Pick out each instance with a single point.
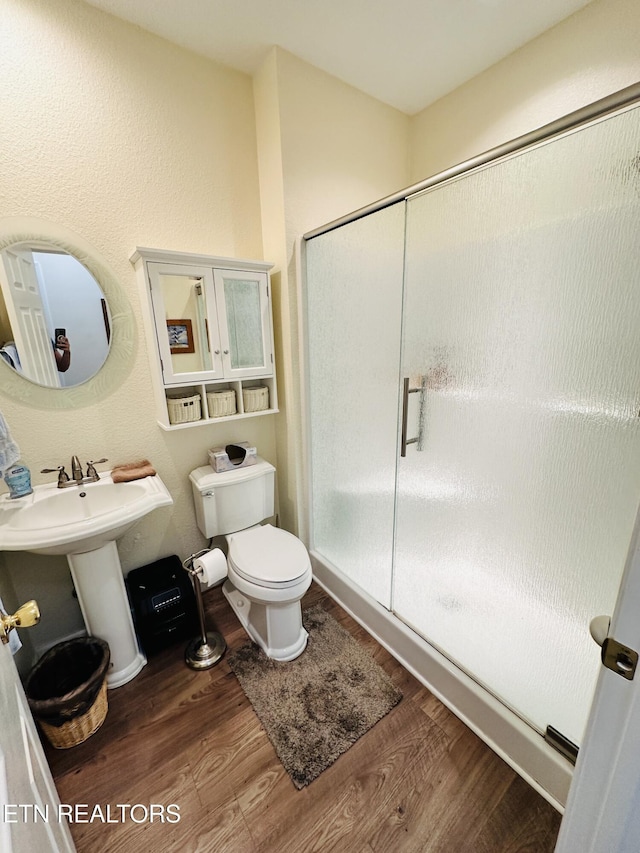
(76, 471)
(92, 474)
(63, 477)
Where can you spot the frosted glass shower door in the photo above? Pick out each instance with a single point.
(354, 311)
(522, 330)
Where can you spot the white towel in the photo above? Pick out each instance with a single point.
(15, 644)
(9, 450)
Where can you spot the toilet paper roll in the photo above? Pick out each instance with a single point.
(211, 567)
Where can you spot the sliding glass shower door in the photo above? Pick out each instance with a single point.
(521, 344)
(354, 312)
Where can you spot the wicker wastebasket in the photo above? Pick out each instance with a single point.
(67, 690)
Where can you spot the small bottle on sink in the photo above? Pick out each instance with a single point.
(18, 478)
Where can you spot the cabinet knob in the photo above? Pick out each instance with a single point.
(226, 352)
(217, 351)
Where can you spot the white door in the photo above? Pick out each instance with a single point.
(28, 317)
(28, 798)
(603, 808)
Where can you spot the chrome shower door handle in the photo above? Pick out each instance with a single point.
(405, 414)
(404, 441)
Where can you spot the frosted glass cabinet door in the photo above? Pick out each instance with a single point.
(354, 307)
(245, 323)
(522, 328)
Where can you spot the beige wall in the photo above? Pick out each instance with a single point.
(334, 149)
(126, 140)
(586, 57)
(341, 148)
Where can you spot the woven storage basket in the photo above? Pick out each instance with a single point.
(67, 690)
(183, 410)
(221, 403)
(81, 728)
(255, 399)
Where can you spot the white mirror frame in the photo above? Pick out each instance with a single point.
(123, 328)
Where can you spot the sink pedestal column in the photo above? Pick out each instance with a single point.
(99, 583)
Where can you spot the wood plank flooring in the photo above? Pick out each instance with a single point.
(418, 782)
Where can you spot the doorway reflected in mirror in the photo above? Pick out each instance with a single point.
(54, 319)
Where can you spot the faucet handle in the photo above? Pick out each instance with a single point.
(63, 477)
(91, 471)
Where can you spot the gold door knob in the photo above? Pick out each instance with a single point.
(24, 617)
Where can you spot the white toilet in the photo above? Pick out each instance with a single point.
(268, 569)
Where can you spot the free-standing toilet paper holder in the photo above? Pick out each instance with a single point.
(207, 649)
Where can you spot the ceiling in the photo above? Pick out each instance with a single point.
(406, 53)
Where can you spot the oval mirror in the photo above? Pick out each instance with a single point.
(55, 326)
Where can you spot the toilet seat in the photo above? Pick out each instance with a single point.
(268, 556)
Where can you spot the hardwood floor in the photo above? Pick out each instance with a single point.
(418, 782)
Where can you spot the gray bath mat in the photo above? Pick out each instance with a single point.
(315, 707)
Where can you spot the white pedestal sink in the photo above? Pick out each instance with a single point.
(84, 522)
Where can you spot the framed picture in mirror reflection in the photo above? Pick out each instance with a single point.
(180, 336)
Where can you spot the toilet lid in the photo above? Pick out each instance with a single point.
(268, 556)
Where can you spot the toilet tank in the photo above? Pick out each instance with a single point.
(232, 500)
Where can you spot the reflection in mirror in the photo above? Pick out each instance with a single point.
(186, 317)
(54, 320)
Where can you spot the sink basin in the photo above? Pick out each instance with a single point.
(84, 522)
(77, 519)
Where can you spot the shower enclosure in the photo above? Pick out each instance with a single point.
(473, 384)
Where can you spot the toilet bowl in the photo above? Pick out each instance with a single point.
(268, 573)
(268, 569)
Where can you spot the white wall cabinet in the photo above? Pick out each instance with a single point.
(211, 321)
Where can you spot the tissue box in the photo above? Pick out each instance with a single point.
(233, 456)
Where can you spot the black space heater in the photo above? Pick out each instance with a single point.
(163, 604)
